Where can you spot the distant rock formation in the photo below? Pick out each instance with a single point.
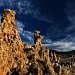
(17, 58)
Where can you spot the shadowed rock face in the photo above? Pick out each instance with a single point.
(17, 58)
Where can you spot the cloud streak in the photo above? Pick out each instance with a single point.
(26, 7)
(25, 35)
(61, 46)
(21, 6)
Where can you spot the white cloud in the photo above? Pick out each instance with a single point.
(20, 26)
(26, 34)
(20, 6)
(0, 18)
(61, 46)
(25, 7)
(48, 41)
(7, 3)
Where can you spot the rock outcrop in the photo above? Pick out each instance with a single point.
(17, 58)
(38, 56)
(12, 57)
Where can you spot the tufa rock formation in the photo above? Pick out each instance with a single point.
(17, 58)
(12, 57)
(38, 56)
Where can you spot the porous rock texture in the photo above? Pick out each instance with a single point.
(17, 58)
(12, 57)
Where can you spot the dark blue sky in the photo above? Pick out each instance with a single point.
(54, 18)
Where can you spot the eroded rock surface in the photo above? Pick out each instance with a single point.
(12, 56)
(17, 58)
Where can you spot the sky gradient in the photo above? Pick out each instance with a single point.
(54, 18)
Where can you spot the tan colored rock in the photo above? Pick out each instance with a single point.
(11, 46)
(18, 58)
(37, 38)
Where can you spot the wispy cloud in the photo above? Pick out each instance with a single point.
(25, 7)
(68, 43)
(21, 6)
(20, 26)
(8, 3)
(70, 11)
(61, 46)
(26, 35)
(46, 41)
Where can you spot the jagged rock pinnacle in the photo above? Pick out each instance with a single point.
(17, 58)
(12, 56)
(8, 16)
(37, 38)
